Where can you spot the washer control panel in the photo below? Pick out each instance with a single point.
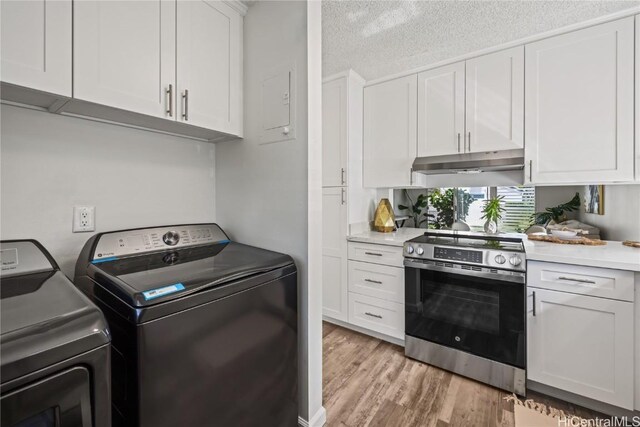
(132, 242)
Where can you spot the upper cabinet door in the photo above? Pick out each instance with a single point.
(36, 45)
(334, 133)
(210, 65)
(441, 110)
(495, 101)
(124, 55)
(638, 129)
(390, 133)
(579, 106)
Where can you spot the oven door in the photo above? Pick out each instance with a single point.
(476, 310)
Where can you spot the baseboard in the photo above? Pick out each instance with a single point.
(576, 399)
(318, 420)
(364, 331)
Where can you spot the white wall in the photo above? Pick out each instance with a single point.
(621, 219)
(262, 190)
(134, 178)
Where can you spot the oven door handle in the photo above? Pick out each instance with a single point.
(499, 275)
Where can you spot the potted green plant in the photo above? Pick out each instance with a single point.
(442, 201)
(557, 213)
(492, 211)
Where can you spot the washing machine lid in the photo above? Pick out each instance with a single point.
(158, 277)
(44, 318)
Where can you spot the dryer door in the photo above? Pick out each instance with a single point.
(61, 400)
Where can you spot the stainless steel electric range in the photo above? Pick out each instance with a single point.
(465, 306)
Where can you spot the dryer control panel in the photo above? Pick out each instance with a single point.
(132, 242)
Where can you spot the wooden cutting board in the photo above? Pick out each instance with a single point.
(580, 241)
(631, 243)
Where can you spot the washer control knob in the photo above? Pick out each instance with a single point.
(500, 259)
(419, 251)
(515, 260)
(409, 249)
(171, 238)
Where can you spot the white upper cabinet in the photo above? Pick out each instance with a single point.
(334, 133)
(579, 106)
(124, 55)
(36, 45)
(390, 134)
(441, 110)
(638, 115)
(495, 101)
(209, 65)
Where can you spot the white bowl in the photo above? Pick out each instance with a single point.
(564, 234)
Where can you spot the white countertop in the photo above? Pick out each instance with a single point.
(612, 255)
(397, 238)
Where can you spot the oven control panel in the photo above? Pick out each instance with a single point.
(490, 258)
(133, 242)
(455, 254)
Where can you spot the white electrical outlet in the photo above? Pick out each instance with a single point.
(84, 218)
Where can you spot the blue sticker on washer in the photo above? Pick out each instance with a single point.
(159, 292)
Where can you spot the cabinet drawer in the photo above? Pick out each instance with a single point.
(378, 254)
(599, 282)
(379, 281)
(376, 314)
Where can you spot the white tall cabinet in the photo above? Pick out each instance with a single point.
(344, 200)
(472, 106)
(390, 134)
(334, 253)
(580, 105)
(36, 45)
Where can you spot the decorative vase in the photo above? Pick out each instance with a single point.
(490, 227)
(384, 219)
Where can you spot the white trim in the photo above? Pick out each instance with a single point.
(522, 41)
(364, 331)
(237, 5)
(318, 420)
(348, 74)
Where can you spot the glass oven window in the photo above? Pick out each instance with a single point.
(479, 315)
(45, 418)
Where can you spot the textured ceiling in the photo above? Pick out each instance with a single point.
(379, 38)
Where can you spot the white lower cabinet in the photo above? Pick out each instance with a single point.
(582, 344)
(377, 314)
(379, 281)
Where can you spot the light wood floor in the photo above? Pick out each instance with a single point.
(369, 382)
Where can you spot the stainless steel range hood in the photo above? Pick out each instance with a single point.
(471, 163)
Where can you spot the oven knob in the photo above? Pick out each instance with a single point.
(171, 238)
(515, 260)
(419, 251)
(409, 249)
(500, 259)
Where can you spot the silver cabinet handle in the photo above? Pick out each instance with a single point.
(469, 141)
(169, 92)
(377, 316)
(185, 106)
(411, 176)
(342, 194)
(342, 177)
(534, 303)
(530, 170)
(458, 142)
(577, 280)
(372, 253)
(373, 281)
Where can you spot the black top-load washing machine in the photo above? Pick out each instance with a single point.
(54, 362)
(204, 330)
